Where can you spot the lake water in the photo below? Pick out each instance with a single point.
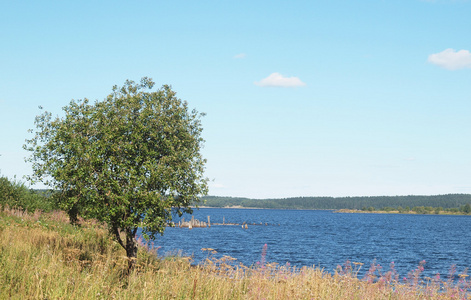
(326, 239)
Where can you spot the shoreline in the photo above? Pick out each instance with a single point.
(243, 207)
(343, 210)
(234, 207)
(396, 212)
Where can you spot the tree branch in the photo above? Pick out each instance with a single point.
(115, 231)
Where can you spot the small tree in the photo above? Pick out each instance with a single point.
(131, 160)
(466, 208)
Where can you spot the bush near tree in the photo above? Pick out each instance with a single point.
(15, 194)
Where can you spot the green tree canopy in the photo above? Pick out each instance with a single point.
(130, 160)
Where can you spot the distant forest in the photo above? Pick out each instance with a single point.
(376, 202)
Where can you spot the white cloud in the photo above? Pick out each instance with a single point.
(451, 59)
(276, 79)
(240, 56)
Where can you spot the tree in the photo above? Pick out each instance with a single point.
(132, 160)
(466, 208)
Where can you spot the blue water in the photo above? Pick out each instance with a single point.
(326, 239)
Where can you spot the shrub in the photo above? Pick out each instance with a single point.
(16, 195)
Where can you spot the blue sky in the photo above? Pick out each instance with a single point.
(303, 98)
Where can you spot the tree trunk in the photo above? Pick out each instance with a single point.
(131, 248)
(73, 214)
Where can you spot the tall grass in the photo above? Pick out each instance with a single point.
(42, 256)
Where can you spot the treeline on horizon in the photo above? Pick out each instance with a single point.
(450, 202)
(361, 203)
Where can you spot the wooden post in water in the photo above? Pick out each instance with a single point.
(209, 222)
(223, 220)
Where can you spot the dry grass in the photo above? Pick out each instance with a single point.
(44, 257)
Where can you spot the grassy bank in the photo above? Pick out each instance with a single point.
(454, 212)
(42, 256)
